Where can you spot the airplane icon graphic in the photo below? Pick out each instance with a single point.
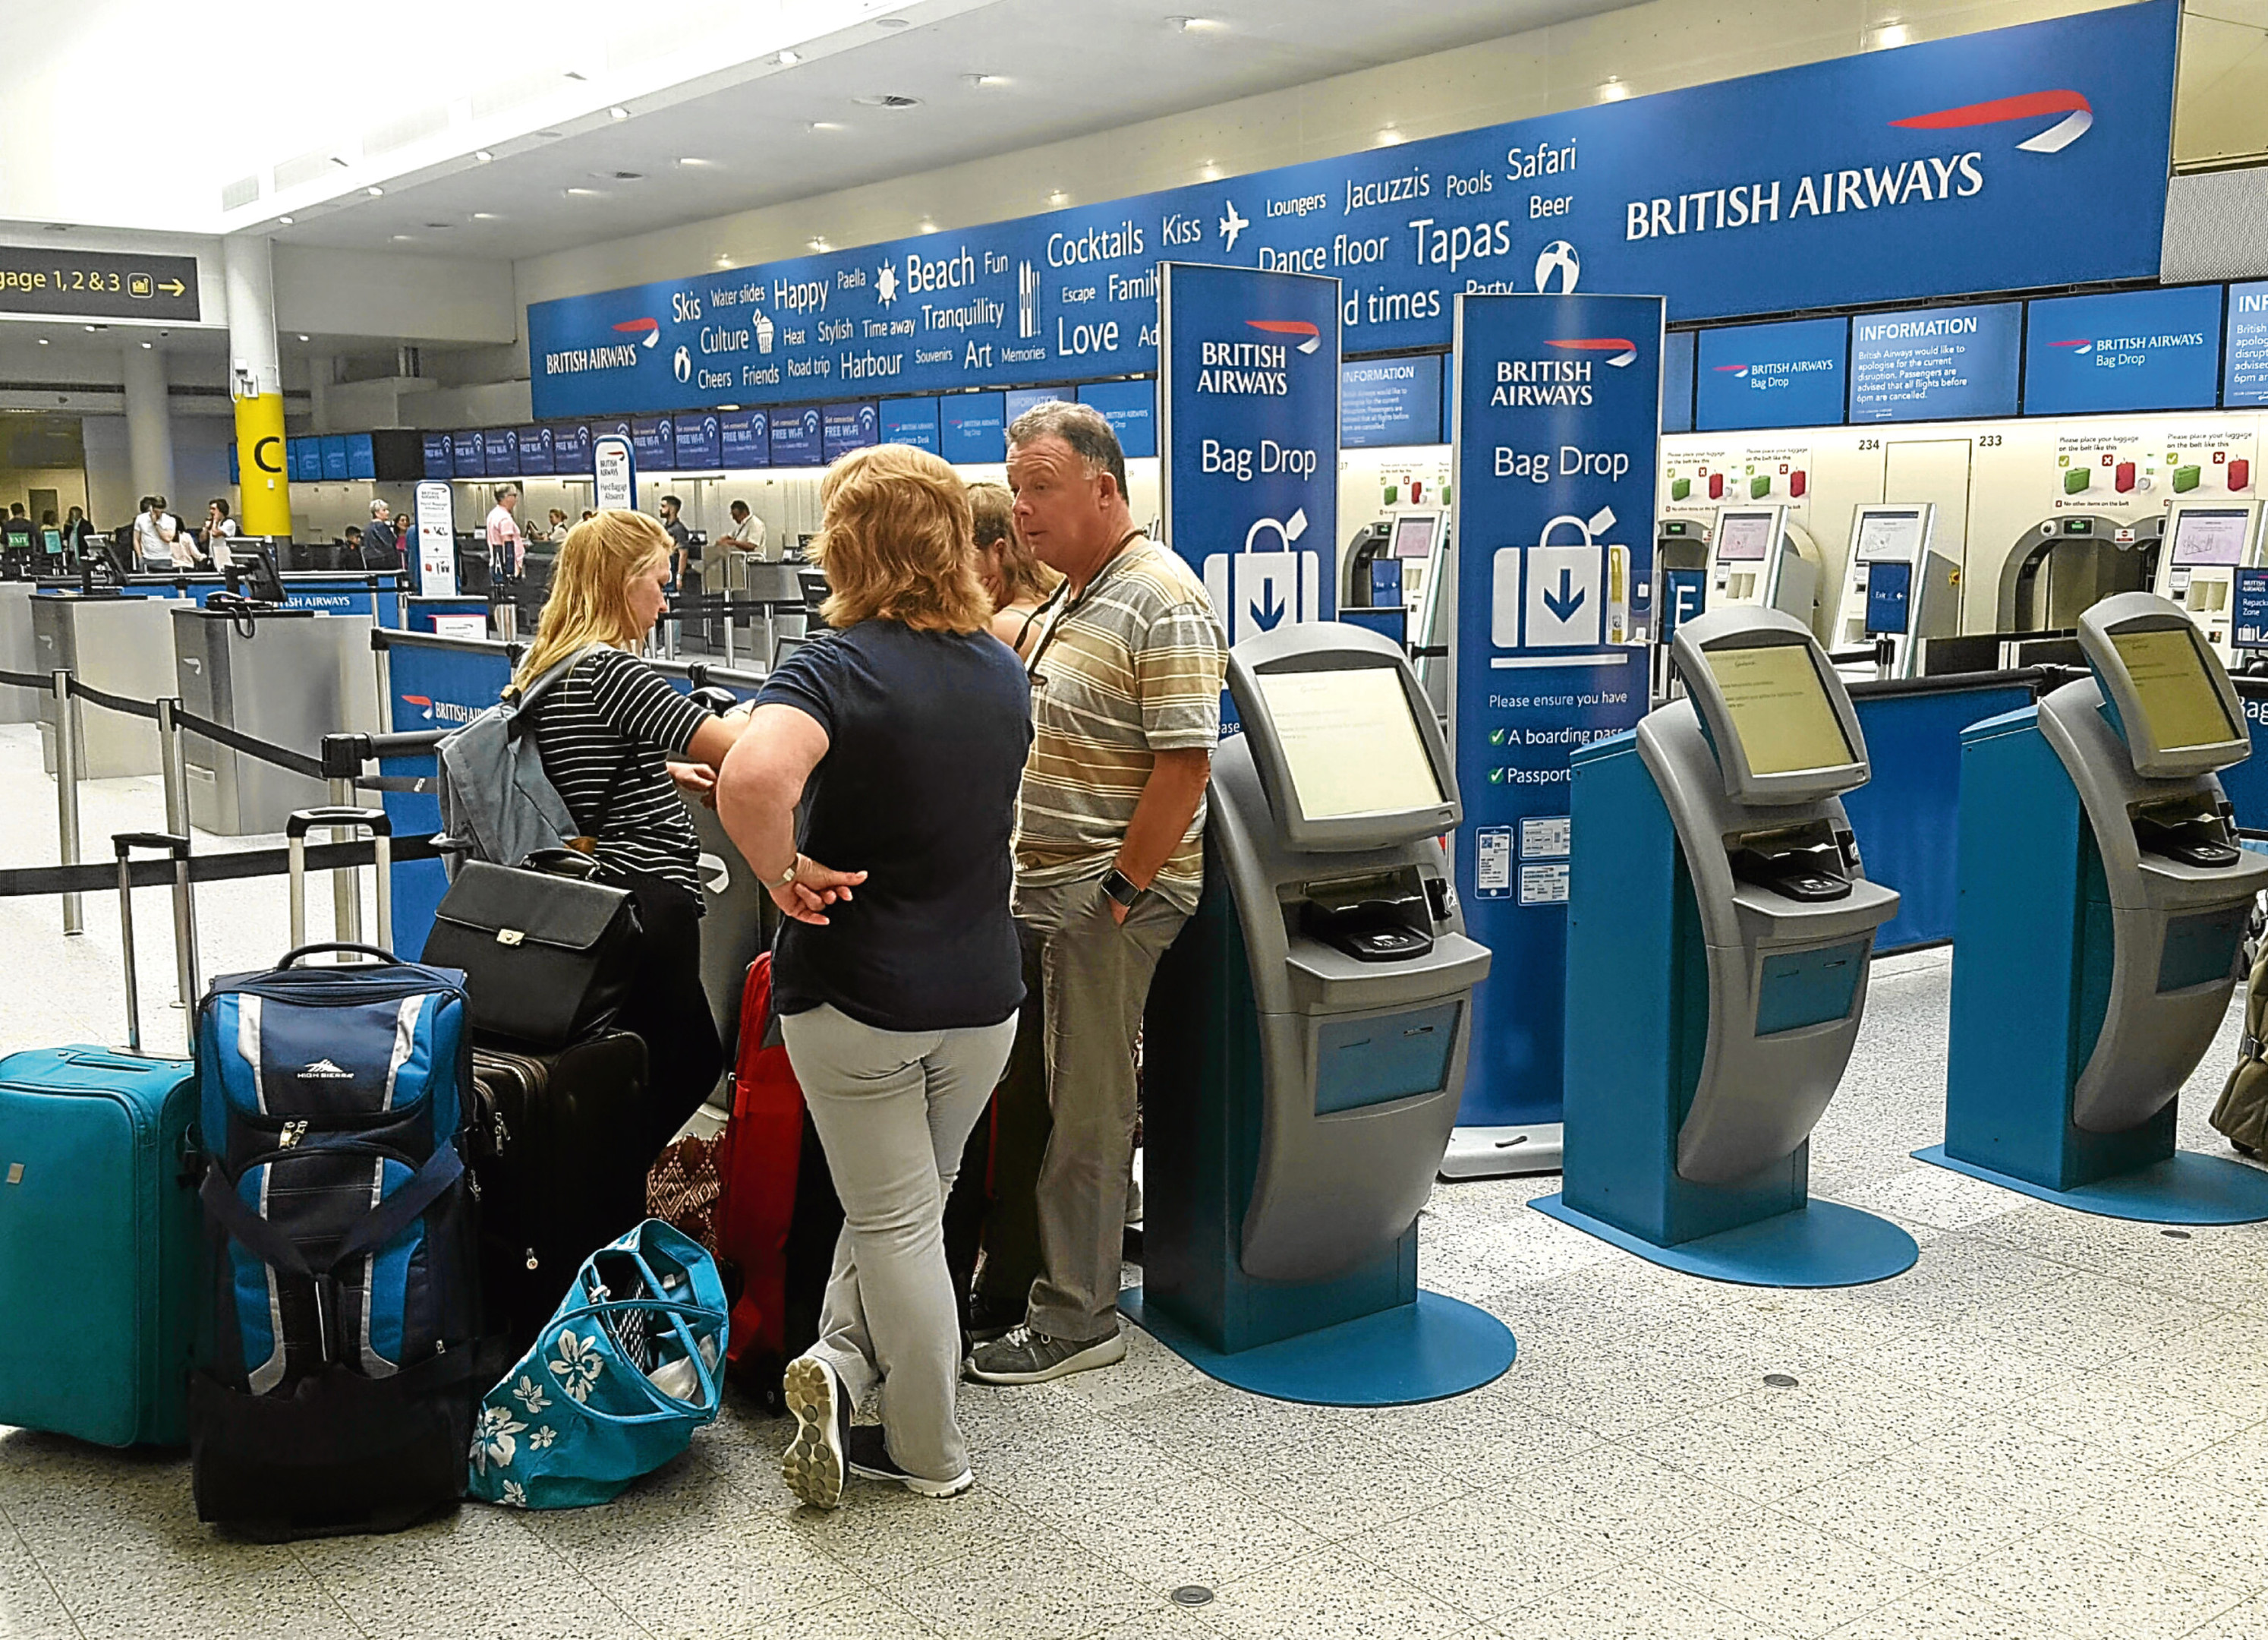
(1230, 225)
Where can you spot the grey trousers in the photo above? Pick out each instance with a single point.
(894, 1110)
(1097, 974)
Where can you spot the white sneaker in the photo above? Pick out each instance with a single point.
(814, 1462)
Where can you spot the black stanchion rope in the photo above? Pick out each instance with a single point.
(25, 881)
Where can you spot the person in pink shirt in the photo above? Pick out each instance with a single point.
(505, 549)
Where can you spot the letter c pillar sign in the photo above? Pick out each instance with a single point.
(265, 508)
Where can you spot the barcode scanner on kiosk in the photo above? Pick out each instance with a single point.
(2103, 905)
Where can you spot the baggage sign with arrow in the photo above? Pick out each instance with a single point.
(97, 284)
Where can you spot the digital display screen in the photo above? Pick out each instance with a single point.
(1131, 409)
(1677, 355)
(2214, 536)
(1935, 363)
(1743, 538)
(2178, 697)
(1774, 375)
(1351, 743)
(1780, 708)
(1889, 536)
(1413, 536)
(2134, 350)
(1389, 401)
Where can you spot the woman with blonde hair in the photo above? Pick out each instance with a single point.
(1018, 583)
(897, 981)
(619, 744)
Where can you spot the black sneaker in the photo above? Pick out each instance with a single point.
(1025, 1356)
(870, 1457)
(814, 1463)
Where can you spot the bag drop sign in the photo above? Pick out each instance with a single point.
(1557, 404)
(1249, 401)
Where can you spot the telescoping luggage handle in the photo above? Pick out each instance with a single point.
(381, 832)
(126, 843)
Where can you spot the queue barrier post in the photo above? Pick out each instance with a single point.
(346, 886)
(67, 792)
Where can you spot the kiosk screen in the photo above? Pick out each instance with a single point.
(1413, 536)
(2214, 536)
(1351, 744)
(1888, 536)
(1780, 708)
(1744, 536)
(2176, 689)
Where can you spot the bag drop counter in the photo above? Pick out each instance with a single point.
(119, 645)
(287, 676)
(1306, 1034)
(18, 652)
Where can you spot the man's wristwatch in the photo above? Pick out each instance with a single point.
(1122, 888)
(789, 875)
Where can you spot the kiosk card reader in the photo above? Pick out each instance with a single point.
(2206, 543)
(2105, 901)
(1719, 929)
(1760, 556)
(1306, 1038)
(1897, 585)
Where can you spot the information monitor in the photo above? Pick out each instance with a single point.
(1743, 538)
(1889, 535)
(2210, 535)
(1413, 535)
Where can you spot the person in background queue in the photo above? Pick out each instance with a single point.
(619, 744)
(381, 546)
(158, 539)
(506, 551)
(219, 528)
(1018, 583)
(747, 534)
(895, 977)
(1126, 678)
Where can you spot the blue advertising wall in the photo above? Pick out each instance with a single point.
(1251, 406)
(1784, 376)
(1557, 404)
(2137, 350)
(1954, 166)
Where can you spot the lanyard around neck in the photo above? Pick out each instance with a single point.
(1071, 606)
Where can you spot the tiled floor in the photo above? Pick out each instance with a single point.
(2053, 1426)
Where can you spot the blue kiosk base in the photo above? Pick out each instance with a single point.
(1823, 1243)
(1429, 1350)
(2183, 1188)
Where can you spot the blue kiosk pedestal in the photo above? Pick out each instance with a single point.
(1719, 929)
(2103, 902)
(1305, 1045)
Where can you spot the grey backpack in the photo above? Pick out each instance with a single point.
(497, 803)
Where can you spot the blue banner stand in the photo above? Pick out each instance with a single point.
(1429, 1350)
(2184, 1188)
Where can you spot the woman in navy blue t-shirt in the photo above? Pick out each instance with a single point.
(898, 975)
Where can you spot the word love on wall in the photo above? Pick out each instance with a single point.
(1948, 167)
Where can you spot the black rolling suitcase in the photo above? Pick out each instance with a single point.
(556, 1148)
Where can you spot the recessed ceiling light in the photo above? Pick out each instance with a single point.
(1892, 33)
(91, 328)
(618, 113)
(1193, 25)
(483, 155)
(788, 59)
(1058, 197)
(1208, 172)
(823, 125)
(728, 407)
(1613, 91)
(286, 221)
(581, 193)
(723, 261)
(980, 81)
(401, 239)
(814, 244)
(888, 100)
(146, 346)
(690, 160)
(43, 341)
(1390, 136)
(304, 336)
(486, 215)
(375, 193)
(929, 227)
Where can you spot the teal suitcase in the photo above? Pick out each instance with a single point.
(100, 1229)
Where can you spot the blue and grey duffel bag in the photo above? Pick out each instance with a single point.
(343, 1362)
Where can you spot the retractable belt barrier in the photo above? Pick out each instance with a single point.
(27, 882)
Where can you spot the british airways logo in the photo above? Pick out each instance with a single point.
(442, 711)
(1311, 338)
(1624, 350)
(575, 361)
(1928, 179)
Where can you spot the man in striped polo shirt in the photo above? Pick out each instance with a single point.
(1126, 682)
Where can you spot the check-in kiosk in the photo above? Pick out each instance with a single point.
(2062, 565)
(286, 677)
(2206, 543)
(1762, 559)
(1305, 1046)
(121, 645)
(1719, 926)
(2105, 901)
(1897, 585)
